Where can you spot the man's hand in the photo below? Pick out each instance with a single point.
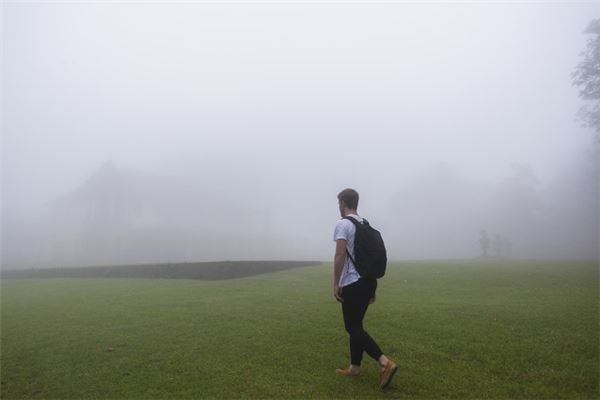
(372, 300)
(337, 293)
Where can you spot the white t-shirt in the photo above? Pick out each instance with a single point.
(346, 230)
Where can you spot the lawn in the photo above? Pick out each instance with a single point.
(457, 329)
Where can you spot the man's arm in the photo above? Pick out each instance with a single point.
(338, 264)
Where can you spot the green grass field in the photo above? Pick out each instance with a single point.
(458, 330)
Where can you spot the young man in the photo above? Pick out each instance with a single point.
(355, 293)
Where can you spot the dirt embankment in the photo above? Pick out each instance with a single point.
(205, 270)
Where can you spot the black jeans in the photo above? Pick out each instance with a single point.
(356, 301)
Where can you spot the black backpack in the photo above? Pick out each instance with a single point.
(369, 250)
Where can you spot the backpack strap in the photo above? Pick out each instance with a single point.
(356, 223)
(353, 262)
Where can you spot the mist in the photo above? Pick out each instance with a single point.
(153, 132)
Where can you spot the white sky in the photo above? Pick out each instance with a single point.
(296, 88)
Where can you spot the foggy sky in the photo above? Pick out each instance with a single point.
(273, 108)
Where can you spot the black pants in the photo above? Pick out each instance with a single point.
(356, 301)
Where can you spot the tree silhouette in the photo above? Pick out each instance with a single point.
(586, 76)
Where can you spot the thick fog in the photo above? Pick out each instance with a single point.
(194, 131)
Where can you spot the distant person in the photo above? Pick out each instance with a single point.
(355, 292)
(507, 245)
(484, 240)
(498, 245)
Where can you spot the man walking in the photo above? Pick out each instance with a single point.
(355, 292)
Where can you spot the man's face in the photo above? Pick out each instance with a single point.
(341, 207)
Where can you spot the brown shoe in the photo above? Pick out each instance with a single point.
(346, 372)
(386, 375)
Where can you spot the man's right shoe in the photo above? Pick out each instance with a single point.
(386, 375)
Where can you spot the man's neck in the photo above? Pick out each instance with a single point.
(350, 212)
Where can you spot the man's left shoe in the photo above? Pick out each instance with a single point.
(386, 375)
(346, 372)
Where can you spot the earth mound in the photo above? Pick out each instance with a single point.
(202, 270)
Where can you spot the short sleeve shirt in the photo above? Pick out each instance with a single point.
(346, 230)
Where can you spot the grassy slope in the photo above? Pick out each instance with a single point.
(485, 330)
